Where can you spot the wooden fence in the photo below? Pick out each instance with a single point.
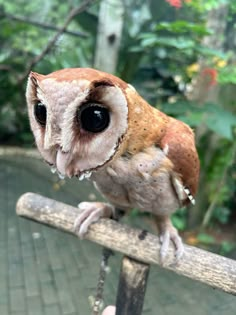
(140, 249)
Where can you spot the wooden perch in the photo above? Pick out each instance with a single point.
(211, 269)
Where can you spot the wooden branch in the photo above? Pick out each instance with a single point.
(132, 287)
(73, 13)
(211, 269)
(45, 26)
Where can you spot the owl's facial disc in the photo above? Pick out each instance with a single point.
(79, 118)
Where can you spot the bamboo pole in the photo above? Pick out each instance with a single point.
(211, 269)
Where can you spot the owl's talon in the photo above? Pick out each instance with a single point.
(92, 212)
(179, 251)
(165, 239)
(169, 233)
(165, 242)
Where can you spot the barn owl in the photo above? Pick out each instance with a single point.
(91, 124)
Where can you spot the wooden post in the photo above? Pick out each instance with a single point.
(132, 287)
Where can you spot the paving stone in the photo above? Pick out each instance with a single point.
(68, 262)
(78, 294)
(31, 277)
(4, 301)
(4, 310)
(49, 293)
(53, 247)
(17, 300)
(44, 268)
(52, 310)
(34, 305)
(15, 273)
(64, 294)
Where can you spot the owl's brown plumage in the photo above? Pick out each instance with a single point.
(88, 123)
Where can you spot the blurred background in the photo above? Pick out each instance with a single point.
(181, 57)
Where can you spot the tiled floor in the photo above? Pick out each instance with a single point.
(47, 272)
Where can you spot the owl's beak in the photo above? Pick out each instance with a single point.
(62, 160)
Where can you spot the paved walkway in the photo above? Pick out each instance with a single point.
(47, 272)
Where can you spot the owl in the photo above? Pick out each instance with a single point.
(91, 124)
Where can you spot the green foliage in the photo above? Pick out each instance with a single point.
(227, 75)
(206, 239)
(203, 6)
(221, 214)
(226, 247)
(179, 219)
(183, 27)
(213, 116)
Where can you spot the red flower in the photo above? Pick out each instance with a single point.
(176, 3)
(211, 75)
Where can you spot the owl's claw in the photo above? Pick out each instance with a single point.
(165, 239)
(169, 233)
(92, 212)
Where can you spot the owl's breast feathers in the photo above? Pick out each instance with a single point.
(150, 127)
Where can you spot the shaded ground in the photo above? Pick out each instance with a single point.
(47, 272)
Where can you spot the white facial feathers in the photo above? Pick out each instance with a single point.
(62, 99)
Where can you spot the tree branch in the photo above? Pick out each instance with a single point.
(211, 269)
(74, 12)
(41, 25)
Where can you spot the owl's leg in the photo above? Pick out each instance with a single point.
(168, 233)
(91, 212)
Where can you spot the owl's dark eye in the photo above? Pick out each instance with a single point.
(93, 117)
(40, 113)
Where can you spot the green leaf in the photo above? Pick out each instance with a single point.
(179, 222)
(193, 119)
(222, 214)
(226, 247)
(209, 52)
(180, 108)
(180, 42)
(220, 120)
(182, 26)
(227, 75)
(206, 238)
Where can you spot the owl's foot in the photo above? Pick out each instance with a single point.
(169, 233)
(92, 212)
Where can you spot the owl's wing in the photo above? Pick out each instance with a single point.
(179, 145)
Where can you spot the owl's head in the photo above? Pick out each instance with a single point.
(79, 118)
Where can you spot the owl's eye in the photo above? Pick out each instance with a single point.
(93, 117)
(40, 113)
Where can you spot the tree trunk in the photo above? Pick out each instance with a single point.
(109, 35)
